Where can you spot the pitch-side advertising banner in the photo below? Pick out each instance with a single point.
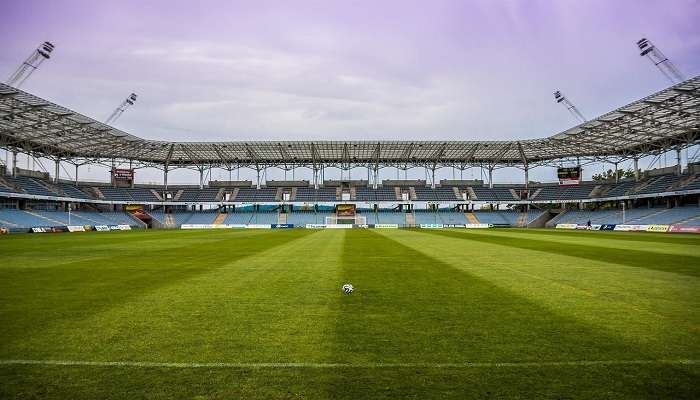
(567, 226)
(124, 227)
(631, 228)
(258, 226)
(431, 226)
(684, 229)
(76, 228)
(478, 226)
(328, 226)
(102, 228)
(607, 227)
(283, 226)
(386, 226)
(657, 228)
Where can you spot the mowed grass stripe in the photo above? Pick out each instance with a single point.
(410, 307)
(268, 307)
(34, 301)
(647, 237)
(647, 308)
(610, 240)
(685, 264)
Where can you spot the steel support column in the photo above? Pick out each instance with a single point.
(527, 176)
(14, 164)
(201, 178)
(58, 170)
(165, 177)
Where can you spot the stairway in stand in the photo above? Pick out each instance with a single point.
(169, 221)
(220, 219)
(410, 219)
(282, 218)
(472, 218)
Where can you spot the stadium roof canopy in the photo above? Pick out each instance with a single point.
(657, 123)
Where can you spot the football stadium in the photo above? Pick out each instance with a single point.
(325, 267)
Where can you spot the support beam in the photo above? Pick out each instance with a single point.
(201, 178)
(617, 178)
(490, 177)
(14, 164)
(165, 178)
(636, 169)
(76, 174)
(527, 176)
(58, 170)
(679, 170)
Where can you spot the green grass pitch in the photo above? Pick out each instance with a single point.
(259, 314)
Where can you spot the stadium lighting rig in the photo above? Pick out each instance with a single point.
(560, 98)
(31, 64)
(647, 49)
(122, 107)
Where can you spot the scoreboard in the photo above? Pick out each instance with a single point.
(345, 210)
(122, 177)
(569, 175)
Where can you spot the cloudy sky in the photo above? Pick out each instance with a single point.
(240, 70)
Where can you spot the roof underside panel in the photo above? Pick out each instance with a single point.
(656, 123)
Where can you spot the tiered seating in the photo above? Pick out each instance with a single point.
(116, 194)
(74, 191)
(385, 194)
(256, 195)
(238, 218)
(437, 194)
(439, 217)
(308, 217)
(199, 217)
(142, 195)
(189, 195)
(492, 194)
(312, 195)
(7, 187)
(122, 218)
(632, 216)
(621, 188)
(29, 219)
(694, 184)
(22, 219)
(497, 217)
(31, 186)
(564, 192)
(365, 194)
(658, 185)
(208, 194)
(388, 217)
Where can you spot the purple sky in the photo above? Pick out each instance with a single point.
(350, 69)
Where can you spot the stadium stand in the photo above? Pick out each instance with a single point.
(301, 218)
(645, 216)
(30, 218)
(493, 194)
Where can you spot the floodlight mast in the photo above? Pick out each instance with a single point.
(43, 52)
(658, 58)
(122, 107)
(560, 98)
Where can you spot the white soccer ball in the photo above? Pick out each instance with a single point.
(347, 288)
